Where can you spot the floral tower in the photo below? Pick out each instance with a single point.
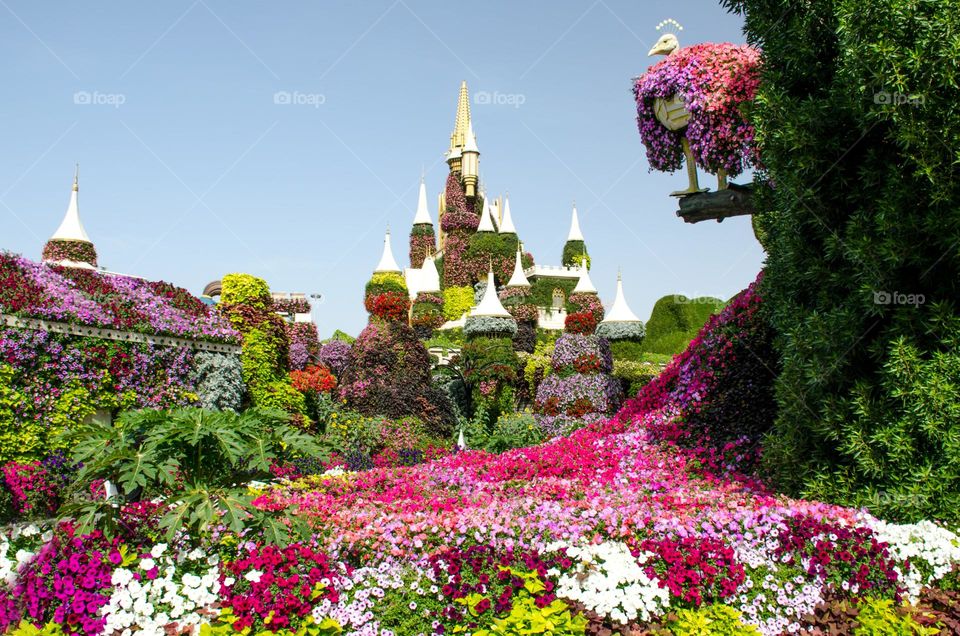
(584, 308)
(516, 298)
(575, 249)
(423, 240)
(70, 245)
(427, 311)
(488, 354)
(386, 292)
(389, 369)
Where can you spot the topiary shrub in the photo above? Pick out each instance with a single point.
(489, 366)
(247, 303)
(427, 314)
(389, 375)
(858, 206)
(634, 375)
(675, 320)
(585, 303)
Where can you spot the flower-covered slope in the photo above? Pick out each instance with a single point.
(38, 290)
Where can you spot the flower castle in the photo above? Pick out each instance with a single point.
(451, 266)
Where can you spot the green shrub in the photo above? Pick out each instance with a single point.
(675, 321)
(513, 430)
(197, 460)
(628, 350)
(457, 301)
(858, 205)
(573, 254)
(634, 375)
(541, 290)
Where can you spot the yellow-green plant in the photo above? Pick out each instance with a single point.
(245, 289)
(456, 301)
(310, 627)
(25, 628)
(879, 617)
(710, 620)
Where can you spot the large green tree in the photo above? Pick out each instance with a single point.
(858, 125)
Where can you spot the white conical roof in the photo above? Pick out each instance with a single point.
(387, 262)
(584, 285)
(423, 214)
(620, 311)
(430, 277)
(71, 229)
(471, 143)
(490, 304)
(519, 279)
(506, 222)
(486, 218)
(575, 233)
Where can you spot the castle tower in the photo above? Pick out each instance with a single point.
(458, 138)
(70, 244)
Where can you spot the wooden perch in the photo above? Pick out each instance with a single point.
(735, 200)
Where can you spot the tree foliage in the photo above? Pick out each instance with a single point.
(858, 126)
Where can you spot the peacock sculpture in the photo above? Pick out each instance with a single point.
(691, 106)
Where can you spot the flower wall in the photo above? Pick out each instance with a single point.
(715, 82)
(49, 380)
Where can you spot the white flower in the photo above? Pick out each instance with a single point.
(147, 564)
(157, 551)
(253, 576)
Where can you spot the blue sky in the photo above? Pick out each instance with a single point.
(189, 169)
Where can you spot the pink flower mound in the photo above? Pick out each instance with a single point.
(715, 400)
(715, 81)
(67, 582)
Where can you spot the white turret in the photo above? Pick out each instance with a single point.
(490, 304)
(423, 214)
(387, 262)
(71, 229)
(70, 246)
(519, 279)
(575, 233)
(486, 218)
(506, 223)
(620, 311)
(584, 285)
(430, 277)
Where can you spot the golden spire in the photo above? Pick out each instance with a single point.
(459, 136)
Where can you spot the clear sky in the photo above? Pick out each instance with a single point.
(190, 169)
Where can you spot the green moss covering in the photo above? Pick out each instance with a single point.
(574, 252)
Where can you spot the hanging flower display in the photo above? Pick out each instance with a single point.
(716, 82)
